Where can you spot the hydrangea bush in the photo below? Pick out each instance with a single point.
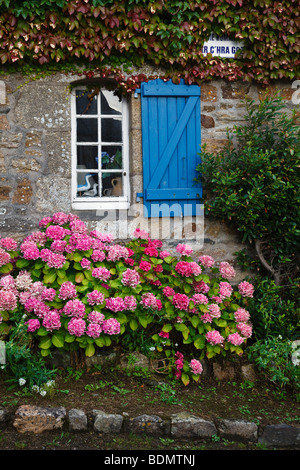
(81, 289)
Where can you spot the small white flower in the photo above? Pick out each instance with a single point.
(35, 388)
(43, 393)
(22, 382)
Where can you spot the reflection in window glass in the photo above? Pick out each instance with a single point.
(87, 130)
(87, 156)
(86, 103)
(110, 103)
(111, 130)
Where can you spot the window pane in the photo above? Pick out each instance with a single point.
(111, 130)
(110, 103)
(87, 156)
(87, 130)
(112, 184)
(87, 184)
(85, 102)
(112, 157)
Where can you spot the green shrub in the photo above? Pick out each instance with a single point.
(254, 184)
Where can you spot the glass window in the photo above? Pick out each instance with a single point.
(100, 147)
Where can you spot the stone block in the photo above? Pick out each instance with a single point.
(106, 423)
(5, 417)
(238, 430)
(10, 140)
(23, 193)
(187, 426)
(150, 425)
(37, 419)
(77, 420)
(34, 139)
(207, 121)
(223, 372)
(4, 124)
(282, 435)
(25, 165)
(209, 93)
(4, 193)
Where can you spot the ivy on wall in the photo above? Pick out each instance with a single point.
(110, 35)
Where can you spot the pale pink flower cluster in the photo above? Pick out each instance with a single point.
(139, 233)
(60, 218)
(206, 261)
(235, 339)
(101, 273)
(103, 237)
(98, 255)
(196, 367)
(244, 329)
(225, 290)
(150, 301)
(48, 294)
(85, 263)
(206, 318)
(181, 301)
(214, 337)
(95, 297)
(130, 302)
(187, 269)
(130, 278)
(184, 250)
(23, 280)
(164, 254)
(214, 310)
(246, 289)
(116, 252)
(67, 291)
(94, 330)
(199, 299)
(7, 282)
(227, 271)
(96, 317)
(8, 300)
(241, 315)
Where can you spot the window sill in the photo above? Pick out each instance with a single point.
(100, 205)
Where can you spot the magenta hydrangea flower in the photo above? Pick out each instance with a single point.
(130, 302)
(145, 266)
(74, 308)
(140, 233)
(55, 232)
(51, 320)
(48, 294)
(225, 290)
(164, 254)
(33, 325)
(151, 251)
(150, 301)
(60, 218)
(241, 315)
(76, 326)
(67, 291)
(94, 330)
(214, 310)
(168, 291)
(8, 244)
(98, 255)
(7, 282)
(45, 221)
(95, 297)
(8, 300)
(116, 252)
(116, 304)
(206, 318)
(184, 250)
(96, 317)
(40, 309)
(58, 246)
(201, 287)
(199, 299)
(111, 326)
(55, 260)
(181, 301)
(244, 329)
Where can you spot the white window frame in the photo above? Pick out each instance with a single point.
(101, 202)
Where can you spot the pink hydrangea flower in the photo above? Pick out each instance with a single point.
(168, 291)
(151, 251)
(98, 255)
(241, 315)
(74, 308)
(139, 233)
(58, 246)
(67, 291)
(45, 221)
(30, 304)
(184, 250)
(196, 367)
(246, 289)
(60, 218)
(226, 270)
(150, 301)
(214, 310)
(130, 278)
(179, 360)
(77, 225)
(164, 254)
(96, 317)
(244, 329)
(163, 334)
(199, 299)
(8, 244)
(206, 318)
(55, 232)
(95, 297)
(187, 269)
(181, 301)
(225, 290)
(214, 337)
(55, 260)
(84, 243)
(201, 287)
(32, 325)
(31, 252)
(103, 237)
(116, 252)
(94, 330)
(41, 309)
(206, 261)
(145, 266)
(76, 326)
(130, 302)
(23, 280)
(111, 326)
(51, 320)
(116, 304)
(7, 282)
(101, 273)
(85, 263)
(8, 300)
(48, 294)
(235, 339)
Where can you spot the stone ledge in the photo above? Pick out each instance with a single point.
(34, 419)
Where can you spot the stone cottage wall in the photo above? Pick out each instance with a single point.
(35, 159)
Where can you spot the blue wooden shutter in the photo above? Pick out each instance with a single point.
(171, 139)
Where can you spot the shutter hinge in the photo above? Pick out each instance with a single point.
(138, 196)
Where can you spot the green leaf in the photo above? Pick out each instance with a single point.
(185, 379)
(22, 263)
(199, 343)
(58, 340)
(42, 331)
(50, 277)
(69, 338)
(167, 328)
(143, 321)
(90, 350)
(133, 324)
(45, 343)
(6, 268)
